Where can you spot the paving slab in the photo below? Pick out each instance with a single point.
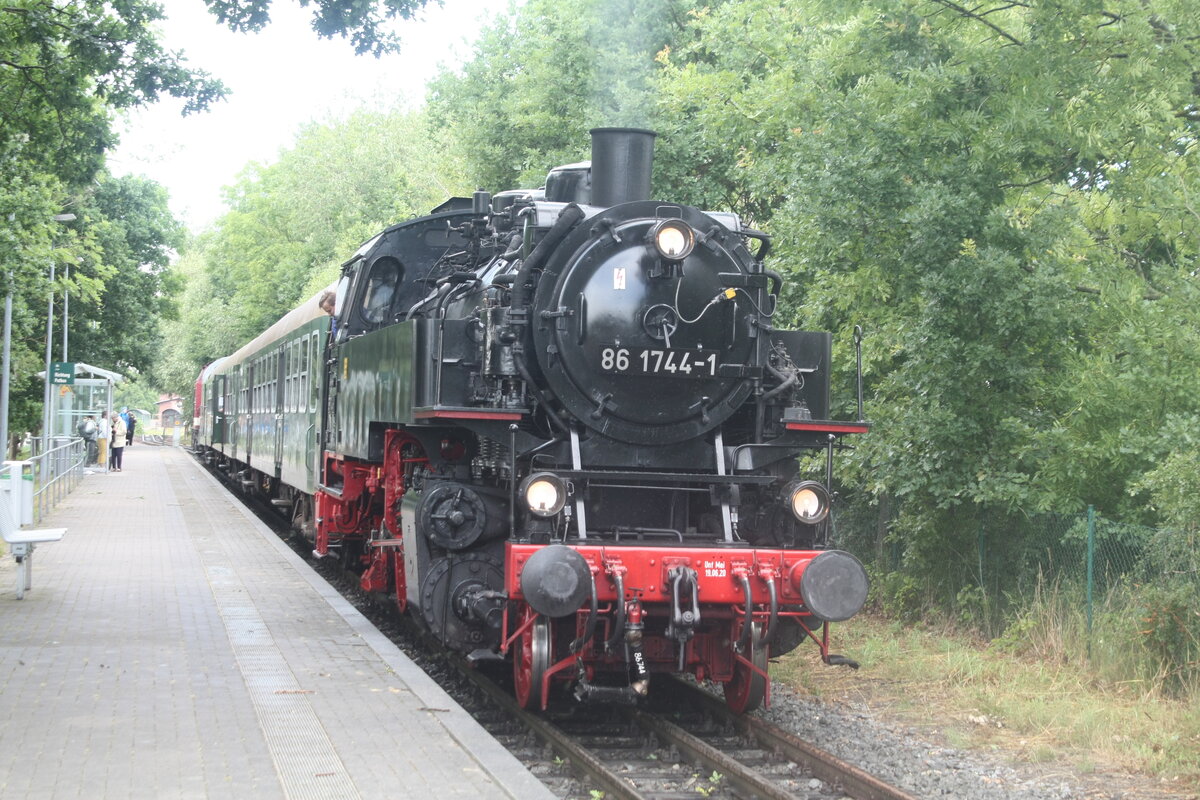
(172, 646)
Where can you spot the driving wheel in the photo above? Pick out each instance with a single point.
(531, 660)
(747, 688)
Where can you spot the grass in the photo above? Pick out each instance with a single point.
(1031, 709)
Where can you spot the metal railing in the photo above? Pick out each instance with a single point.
(56, 473)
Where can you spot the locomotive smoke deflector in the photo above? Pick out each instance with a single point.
(622, 160)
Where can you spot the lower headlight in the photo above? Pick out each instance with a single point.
(809, 501)
(544, 493)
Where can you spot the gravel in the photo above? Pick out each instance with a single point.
(913, 760)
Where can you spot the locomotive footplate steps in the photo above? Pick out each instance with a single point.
(175, 647)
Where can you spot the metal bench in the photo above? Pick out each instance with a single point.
(21, 544)
(16, 508)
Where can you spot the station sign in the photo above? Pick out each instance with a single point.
(62, 373)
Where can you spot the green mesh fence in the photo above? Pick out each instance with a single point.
(1126, 587)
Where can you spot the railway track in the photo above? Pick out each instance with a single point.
(684, 744)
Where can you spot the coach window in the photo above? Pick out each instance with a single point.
(286, 357)
(294, 371)
(301, 374)
(305, 353)
(314, 353)
(386, 274)
(296, 366)
(289, 388)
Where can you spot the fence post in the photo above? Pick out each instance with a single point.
(982, 546)
(1091, 561)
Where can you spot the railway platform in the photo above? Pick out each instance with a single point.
(173, 647)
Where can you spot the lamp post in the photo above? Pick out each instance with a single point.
(7, 353)
(47, 418)
(67, 278)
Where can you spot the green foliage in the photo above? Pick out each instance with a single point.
(67, 66)
(64, 70)
(364, 23)
(340, 184)
(982, 191)
(1174, 485)
(898, 595)
(134, 392)
(1170, 630)
(117, 324)
(293, 222)
(543, 76)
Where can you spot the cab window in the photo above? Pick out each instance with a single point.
(386, 274)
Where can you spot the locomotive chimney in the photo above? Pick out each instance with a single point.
(621, 162)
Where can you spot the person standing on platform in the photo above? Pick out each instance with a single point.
(104, 438)
(117, 444)
(130, 424)
(88, 432)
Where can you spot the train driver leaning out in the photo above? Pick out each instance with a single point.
(326, 301)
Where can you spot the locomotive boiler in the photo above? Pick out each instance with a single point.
(561, 427)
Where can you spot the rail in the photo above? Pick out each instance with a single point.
(55, 474)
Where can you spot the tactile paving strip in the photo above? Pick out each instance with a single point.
(305, 759)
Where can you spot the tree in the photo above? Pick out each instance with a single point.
(64, 69)
(1002, 196)
(362, 22)
(543, 76)
(117, 324)
(291, 225)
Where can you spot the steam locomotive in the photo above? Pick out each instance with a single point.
(561, 429)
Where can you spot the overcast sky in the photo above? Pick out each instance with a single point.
(279, 80)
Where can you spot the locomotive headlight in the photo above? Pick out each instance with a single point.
(809, 501)
(544, 493)
(674, 239)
